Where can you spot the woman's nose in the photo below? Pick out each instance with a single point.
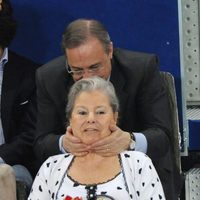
(91, 117)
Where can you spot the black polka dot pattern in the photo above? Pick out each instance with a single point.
(76, 184)
(127, 155)
(103, 192)
(40, 188)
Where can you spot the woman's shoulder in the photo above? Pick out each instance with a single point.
(60, 156)
(57, 163)
(135, 156)
(58, 159)
(134, 153)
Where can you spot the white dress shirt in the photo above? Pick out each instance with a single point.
(3, 61)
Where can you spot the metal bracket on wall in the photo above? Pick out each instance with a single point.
(190, 44)
(192, 187)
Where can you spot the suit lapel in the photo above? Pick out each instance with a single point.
(118, 81)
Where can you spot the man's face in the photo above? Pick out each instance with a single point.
(89, 59)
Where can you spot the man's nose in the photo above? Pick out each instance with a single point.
(87, 74)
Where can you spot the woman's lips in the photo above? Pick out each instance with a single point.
(90, 130)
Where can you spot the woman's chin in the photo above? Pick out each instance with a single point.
(89, 141)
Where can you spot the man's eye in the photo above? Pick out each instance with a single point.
(78, 71)
(94, 67)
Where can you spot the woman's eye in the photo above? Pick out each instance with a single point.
(82, 112)
(100, 112)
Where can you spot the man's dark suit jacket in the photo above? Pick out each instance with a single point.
(18, 110)
(143, 108)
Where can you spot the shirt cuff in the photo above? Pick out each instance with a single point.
(60, 145)
(140, 142)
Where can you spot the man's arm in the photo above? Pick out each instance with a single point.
(153, 110)
(19, 147)
(49, 128)
(18, 113)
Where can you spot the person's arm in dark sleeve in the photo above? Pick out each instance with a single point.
(48, 128)
(154, 110)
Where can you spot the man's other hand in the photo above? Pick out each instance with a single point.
(115, 143)
(73, 144)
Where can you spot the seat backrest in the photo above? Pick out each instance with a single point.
(171, 92)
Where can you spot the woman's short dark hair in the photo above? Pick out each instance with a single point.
(80, 31)
(88, 85)
(8, 24)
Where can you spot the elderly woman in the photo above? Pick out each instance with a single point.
(92, 109)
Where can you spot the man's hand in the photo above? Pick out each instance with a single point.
(115, 143)
(73, 144)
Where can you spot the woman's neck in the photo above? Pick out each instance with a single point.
(94, 168)
(91, 157)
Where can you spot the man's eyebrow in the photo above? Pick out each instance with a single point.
(76, 67)
(93, 65)
(87, 67)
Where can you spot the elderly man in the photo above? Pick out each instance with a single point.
(144, 123)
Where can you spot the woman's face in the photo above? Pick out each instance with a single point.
(92, 116)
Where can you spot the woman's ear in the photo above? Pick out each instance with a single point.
(116, 117)
(69, 130)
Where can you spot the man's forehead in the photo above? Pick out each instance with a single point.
(81, 57)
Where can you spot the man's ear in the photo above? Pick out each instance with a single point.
(111, 50)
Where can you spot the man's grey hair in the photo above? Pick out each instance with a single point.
(89, 85)
(80, 31)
